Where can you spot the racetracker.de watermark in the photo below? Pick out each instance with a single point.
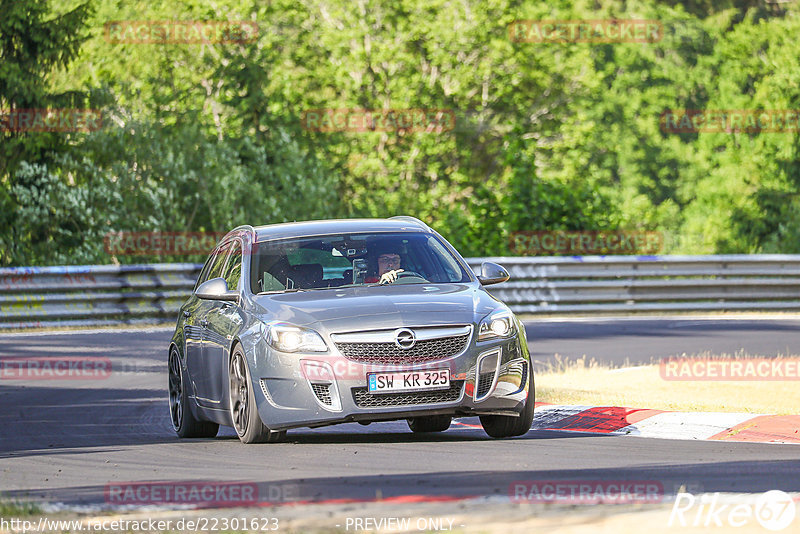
(202, 493)
(586, 491)
(730, 369)
(378, 120)
(580, 243)
(586, 31)
(678, 121)
(55, 368)
(50, 120)
(160, 243)
(180, 31)
(210, 523)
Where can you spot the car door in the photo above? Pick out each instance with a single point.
(192, 331)
(224, 319)
(195, 349)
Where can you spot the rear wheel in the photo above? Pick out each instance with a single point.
(430, 423)
(244, 414)
(505, 426)
(183, 421)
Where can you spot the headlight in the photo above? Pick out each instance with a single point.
(497, 325)
(287, 337)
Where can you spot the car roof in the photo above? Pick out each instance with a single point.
(338, 226)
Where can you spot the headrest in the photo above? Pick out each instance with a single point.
(306, 275)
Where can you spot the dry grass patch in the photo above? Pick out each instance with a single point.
(587, 382)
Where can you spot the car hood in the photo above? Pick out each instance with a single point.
(376, 307)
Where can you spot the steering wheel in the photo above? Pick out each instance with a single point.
(410, 274)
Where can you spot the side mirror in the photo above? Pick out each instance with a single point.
(491, 273)
(216, 289)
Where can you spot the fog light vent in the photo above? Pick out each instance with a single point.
(323, 393)
(486, 373)
(484, 384)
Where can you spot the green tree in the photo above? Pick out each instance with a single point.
(34, 41)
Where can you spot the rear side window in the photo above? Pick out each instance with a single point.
(332, 266)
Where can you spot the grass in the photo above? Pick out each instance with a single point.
(13, 508)
(587, 382)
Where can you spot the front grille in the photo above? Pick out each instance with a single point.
(364, 399)
(323, 393)
(484, 384)
(427, 350)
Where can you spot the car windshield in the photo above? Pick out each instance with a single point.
(352, 260)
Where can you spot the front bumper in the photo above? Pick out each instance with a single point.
(310, 390)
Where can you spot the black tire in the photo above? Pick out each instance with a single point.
(507, 426)
(183, 421)
(244, 415)
(429, 423)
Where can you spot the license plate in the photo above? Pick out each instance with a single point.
(408, 381)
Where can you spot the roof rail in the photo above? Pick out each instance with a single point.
(409, 218)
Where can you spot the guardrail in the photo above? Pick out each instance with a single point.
(125, 294)
(94, 295)
(602, 284)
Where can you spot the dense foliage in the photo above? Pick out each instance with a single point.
(547, 136)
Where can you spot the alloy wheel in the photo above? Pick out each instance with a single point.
(175, 390)
(239, 393)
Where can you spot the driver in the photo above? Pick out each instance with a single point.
(388, 269)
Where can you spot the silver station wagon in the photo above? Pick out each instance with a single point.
(316, 323)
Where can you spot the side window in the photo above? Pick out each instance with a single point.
(204, 272)
(233, 269)
(219, 261)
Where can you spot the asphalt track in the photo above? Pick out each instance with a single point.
(643, 340)
(65, 441)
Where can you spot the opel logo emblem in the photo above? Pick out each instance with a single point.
(405, 338)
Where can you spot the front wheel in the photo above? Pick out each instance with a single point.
(244, 414)
(183, 421)
(505, 426)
